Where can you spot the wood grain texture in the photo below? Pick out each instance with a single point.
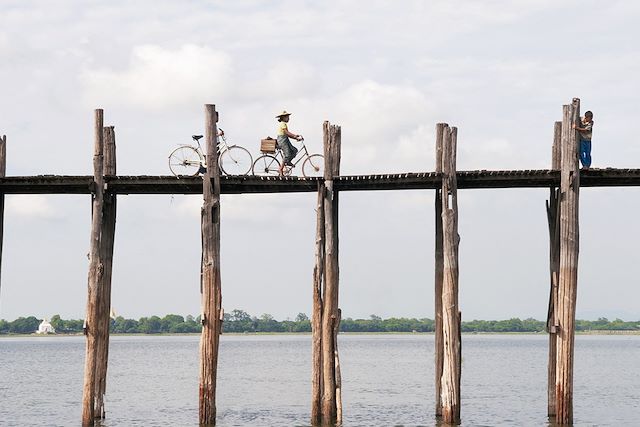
(3, 172)
(96, 270)
(438, 272)
(329, 404)
(336, 329)
(568, 270)
(107, 240)
(211, 284)
(450, 386)
(316, 315)
(553, 221)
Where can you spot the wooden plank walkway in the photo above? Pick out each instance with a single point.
(63, 184)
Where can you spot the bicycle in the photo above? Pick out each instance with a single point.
(268, 164)
(189, 160)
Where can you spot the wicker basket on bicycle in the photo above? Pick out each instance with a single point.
(268, 145)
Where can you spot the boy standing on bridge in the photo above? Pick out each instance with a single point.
(288, 150)
(586, 125)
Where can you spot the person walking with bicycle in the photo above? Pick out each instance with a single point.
(282, 139)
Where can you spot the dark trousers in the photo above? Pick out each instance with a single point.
(288, 150)
(585, 153)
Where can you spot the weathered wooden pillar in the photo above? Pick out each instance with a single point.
(316, 315)
(106, 248)
(211, 285)
(326, 403)
(450, 386)
(568, 271)
(3, 173)
(96, 270)
(338, 373)
(553, 219)
(439, 262)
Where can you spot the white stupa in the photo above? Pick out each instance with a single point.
(45, 328)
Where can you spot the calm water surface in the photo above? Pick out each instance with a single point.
(265, 380)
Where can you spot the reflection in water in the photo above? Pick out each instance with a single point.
(265, 380)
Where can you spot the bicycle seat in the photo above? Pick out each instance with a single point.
(196, 137)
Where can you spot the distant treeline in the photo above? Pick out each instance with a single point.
(240, 321)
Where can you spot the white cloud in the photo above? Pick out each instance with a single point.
(256, 209)
(161, 78)
(386, 74)
(29, 206)
(385, 127)
(491, 153)
(382, 125)
(284, 79)
(4, 42)
(415, 149)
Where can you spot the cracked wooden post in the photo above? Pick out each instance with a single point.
(338, 373)
(106, 249)
(3, 173)
(210, 281)
(568, 270)
(450, 387)
(316, 315)
(438, 348)
(96, 270)
(553, 220)
(330, 406)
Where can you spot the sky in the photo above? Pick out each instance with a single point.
(386, 72)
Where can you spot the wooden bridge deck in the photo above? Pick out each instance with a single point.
(61, 184)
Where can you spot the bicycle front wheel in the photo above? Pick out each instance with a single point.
(185, 161)
(235, 160)
(266, 165)
(313, 166)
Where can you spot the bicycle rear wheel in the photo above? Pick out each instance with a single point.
(313, 166)
(266, 165)
(185, 161)
(235, 160)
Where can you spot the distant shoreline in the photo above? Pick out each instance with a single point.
(592, 332)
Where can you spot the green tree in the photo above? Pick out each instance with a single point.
(301, 317)
(4, 326)
(240, 316)
(194, 326)
(169, 321)
(267, 323)
(24, 325)
(57, 323)
(181, 328)
(150, 325)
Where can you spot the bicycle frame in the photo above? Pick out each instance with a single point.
(190, 159)
(221, 145)
(297, 159)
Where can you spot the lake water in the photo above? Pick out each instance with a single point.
(265, 380)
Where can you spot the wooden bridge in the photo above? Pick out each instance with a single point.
(136, 184)
(564, 181)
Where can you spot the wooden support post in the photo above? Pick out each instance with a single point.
(553, 220)
(316, 315)
(439, 262)
(336, 329)
(568, 276)
(96, 269)
(3, 173)
(211, 285)
(106, 248)
(326, 382)
(450, 387)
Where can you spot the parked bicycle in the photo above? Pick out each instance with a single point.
(189, 160)
(268, 164)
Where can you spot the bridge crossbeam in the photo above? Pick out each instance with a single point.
(144, 184)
